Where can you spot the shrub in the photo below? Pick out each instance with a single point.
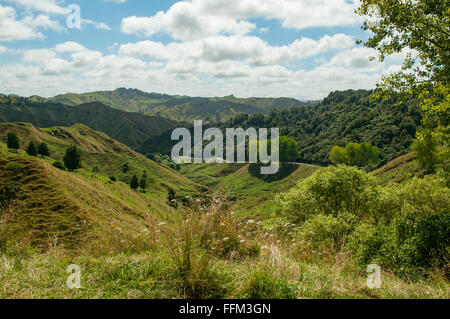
(330, 191)
(59, 165)
(134, 184)
(12, 141)
(325, 231)
(43, 150)
(31, 149)
(417, 237)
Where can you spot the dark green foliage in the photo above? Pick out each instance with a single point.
(143, 181)
(32, 149)
(72, 159)
(134, 184)
(13, 141)
(112, 178)
(343, 117)
(59, 165)
(125, 168)
(43, 150)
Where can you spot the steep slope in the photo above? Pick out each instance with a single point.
(111, 157)
(55, 208)
(180, 108)
(129, 128)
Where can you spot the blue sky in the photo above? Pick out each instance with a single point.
(296, 48)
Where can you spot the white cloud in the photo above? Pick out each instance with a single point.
(203, 18)
(97, 25)
(297, 14)
(183, 21)
(12, 29)
(252, 49)
(48, 6)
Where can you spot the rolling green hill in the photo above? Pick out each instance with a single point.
(131, 129)
(104, 152)
(175, 107)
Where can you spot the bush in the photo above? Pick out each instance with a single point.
(325, 231)
(330, 191)
(59, 165)
(417, 237)
(32, 149)
(264, 284)
(12, 141)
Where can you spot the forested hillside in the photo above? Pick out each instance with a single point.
(342, 117)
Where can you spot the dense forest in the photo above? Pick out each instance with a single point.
(342, 117)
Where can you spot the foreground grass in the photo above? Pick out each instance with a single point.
(153, 275)
(205, 252)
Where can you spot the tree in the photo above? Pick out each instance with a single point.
(338, 155)
(143, 182)
(288, 149)
(31, 149)
(426, 150)
(355, 154)
(419, 29)
(43, 150)
(72, 159)
(134, 184)
(13, 141)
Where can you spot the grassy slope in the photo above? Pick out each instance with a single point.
(79, 211)
(109, 155)
(398, 170)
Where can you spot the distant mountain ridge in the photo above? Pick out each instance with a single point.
(176, 107)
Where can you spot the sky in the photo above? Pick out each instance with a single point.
(303, 49)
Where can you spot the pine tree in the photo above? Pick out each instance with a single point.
(31, 149)
(13, 141)
(143, 182)
(43, 150)
(72, 159)
(134, 182)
